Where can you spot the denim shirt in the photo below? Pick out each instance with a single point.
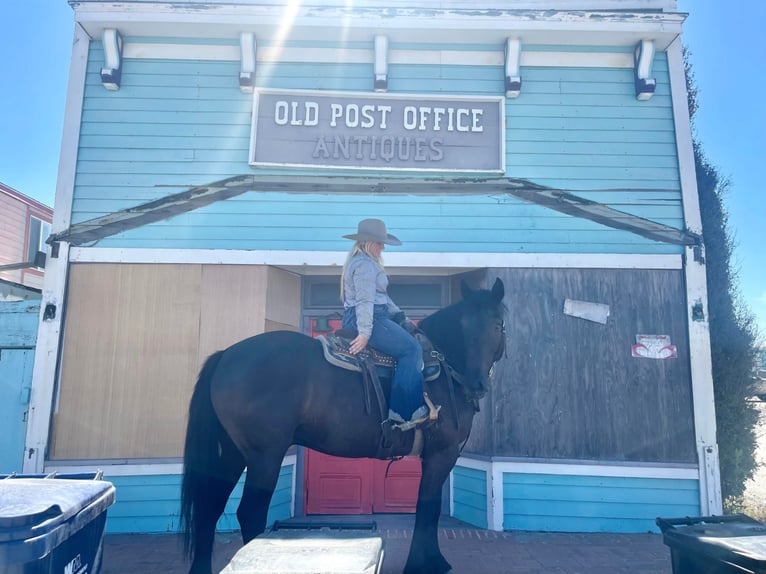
(364, 286)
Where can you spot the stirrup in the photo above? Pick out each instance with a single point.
(431, 416)
(433, 410)
(409, 425)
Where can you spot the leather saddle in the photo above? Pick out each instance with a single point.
(336, 352)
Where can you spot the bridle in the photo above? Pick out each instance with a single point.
(459, 378)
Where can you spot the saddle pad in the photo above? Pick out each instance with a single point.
(336, 353)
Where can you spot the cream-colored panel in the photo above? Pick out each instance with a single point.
(130, 360)
(274, 326)
(283, 304)
(233, 301)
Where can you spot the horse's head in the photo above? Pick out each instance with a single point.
(483, 328)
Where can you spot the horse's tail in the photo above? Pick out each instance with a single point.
(201, 450)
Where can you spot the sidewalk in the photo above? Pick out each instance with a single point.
(470, 550)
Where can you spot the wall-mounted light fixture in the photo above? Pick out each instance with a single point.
(381, 64)
(111, 73)
(643, 56)
(247, 66)
(513, 67)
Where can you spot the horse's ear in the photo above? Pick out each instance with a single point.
(498, 290)
(465, 290)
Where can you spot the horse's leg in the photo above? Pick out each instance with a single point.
(260, 481)
(213, 491)
(425, 556)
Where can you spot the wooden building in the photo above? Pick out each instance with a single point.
(24, 226)
(215, 153)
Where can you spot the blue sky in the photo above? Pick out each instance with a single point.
(727, 56)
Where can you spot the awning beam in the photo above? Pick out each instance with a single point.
(566, 202)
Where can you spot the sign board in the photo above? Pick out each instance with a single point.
(653, 347)
(348, 130)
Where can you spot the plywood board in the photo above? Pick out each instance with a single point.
(232, 305)
(283, 304)
(129, 361)
(569, 387)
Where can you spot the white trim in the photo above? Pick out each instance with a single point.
(496, 510)
(490, 476)
(62, 211)
(401, 24)
(44, 370)
(144, 469)
(667, 5)
(684, 144)
(615, 471)
(54, 285)
(292, 460)
(474, 463)
(575, 469)
(696, 295)
(274, 54)
(335, 259)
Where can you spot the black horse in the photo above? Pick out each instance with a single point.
(263, 394)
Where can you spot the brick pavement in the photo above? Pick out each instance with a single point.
(470, 551)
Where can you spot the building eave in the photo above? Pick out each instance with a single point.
(452, 25)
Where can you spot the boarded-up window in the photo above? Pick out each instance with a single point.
(135, 337)
(568, 388)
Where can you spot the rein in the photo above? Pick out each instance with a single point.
(455, 376)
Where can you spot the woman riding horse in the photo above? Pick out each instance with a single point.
(263, 394)
(369, 311)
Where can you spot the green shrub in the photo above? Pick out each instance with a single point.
(733, 332)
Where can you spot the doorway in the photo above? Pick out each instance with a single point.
(335, 485)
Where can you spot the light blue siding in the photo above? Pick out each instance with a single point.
(563, 503)
(18, 335)
(152, 503)
(177, 124)
(469, 495)
(289, 221)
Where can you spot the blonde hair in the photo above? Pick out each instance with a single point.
(359, 247)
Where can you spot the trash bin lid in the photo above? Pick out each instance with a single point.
(29, 507)
(315, 552)
(741, 542)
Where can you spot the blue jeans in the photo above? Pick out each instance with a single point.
(387, 336)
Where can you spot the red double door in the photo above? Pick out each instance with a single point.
(335, 485)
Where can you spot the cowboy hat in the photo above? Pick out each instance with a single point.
(373, 230)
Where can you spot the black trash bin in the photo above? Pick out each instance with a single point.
(53, 524)
(732, 544)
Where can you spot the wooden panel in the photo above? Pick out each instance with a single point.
(337, 485)
(15, 388)
(129, 361)
(395, 485)
(283, 301)
(232, 305)
(274, 326)
(569, 388)
(13, 235)
(18, 323)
